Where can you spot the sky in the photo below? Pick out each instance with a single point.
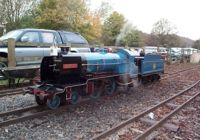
(184, 14)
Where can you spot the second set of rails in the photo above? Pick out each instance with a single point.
(176, 107)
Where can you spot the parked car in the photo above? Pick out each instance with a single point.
(33, 44)
(150, 49)
(189, 51)
(163, 52)
(175, 53)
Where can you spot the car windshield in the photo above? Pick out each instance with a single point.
(73, 38)
(12, 34)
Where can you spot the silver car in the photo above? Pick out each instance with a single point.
(33, 44)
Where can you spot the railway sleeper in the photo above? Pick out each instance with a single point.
(168, 126)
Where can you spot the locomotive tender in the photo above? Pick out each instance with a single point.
(66, 77)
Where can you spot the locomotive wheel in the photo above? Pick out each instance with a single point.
(54, 102)
(62, 98)
(98, 89)
(128, 87)
(40, 101)
(144, 80)
(2, 76)
(157, 77)
(110, 87)
(153, 78)
(74, 97)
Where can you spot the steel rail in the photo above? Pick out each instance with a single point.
(163, 120)
(177, 72)
(12, 93)
(196, 66)
(24, 118)
(10, 90)
(134, 118)
(43, 111)
(28, 117)
(18, 111)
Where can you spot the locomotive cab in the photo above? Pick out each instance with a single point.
(61, 70)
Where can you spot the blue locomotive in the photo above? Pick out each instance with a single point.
(66, 77)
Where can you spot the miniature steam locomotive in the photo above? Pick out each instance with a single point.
(66, 77)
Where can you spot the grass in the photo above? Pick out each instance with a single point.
(6, 82)
(3, 82)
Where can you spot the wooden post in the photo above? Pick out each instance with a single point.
(11, 53)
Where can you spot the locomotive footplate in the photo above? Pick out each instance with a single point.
(44, 90)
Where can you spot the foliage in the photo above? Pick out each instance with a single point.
(175, 41)
(111, 28)
(92, 31)
(60, 14)
(151, 40)
(71, 15)
(164, 27)
(172, 39)
(129, 36)
(12, 13)
(197, 44)
(103, 11)
(161, 30)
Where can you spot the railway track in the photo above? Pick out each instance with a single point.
(23, 114)
(173, 105)
(166, 75)
(32, 112)
(10, 92)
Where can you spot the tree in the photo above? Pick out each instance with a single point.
(111, 28)
(71, 15)
(92, 30)
(197, 44)
(13, 11)
(161, 30)
(133, 39)
(60, 14)
(174, 40)
(151, 40)
(129, 36)
(103, 11)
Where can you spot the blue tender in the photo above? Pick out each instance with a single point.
(151, 64)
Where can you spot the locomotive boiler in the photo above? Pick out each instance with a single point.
(66, 77)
